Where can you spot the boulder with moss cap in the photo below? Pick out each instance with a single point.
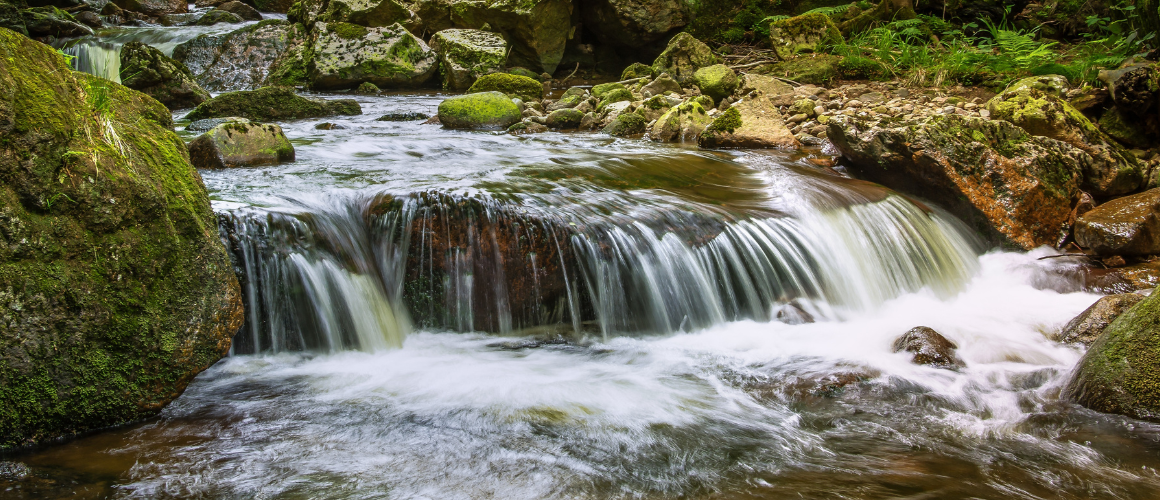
(517, 86)
(683, 123)
(538, 30)
(241, 144)
(479, 110)
(146, 69)
(272, 104)
(117, 288)
(466, 55)
(368, 13)
(753, 122)
(1120, 373)
(683, 57)
(627, 125)
(717, 81)
(633, 23)
(345, 55)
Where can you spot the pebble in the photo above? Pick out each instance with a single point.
(854, 103)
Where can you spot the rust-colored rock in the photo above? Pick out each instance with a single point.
(1123, 226)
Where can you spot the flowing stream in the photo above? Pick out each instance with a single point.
(442, 314)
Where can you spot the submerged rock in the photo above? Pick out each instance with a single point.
(1120, 373)
(481, 110)
(248, 58)
(683, 57)
(807, 33)
(209, 123)
(146, 69)
(1087, 327)
(272, 104)
(753, 122)
(346, 55)
(514, 86)
(929, 348)
(1123, 226)
(402, 117)
(116, 285)
(466, 55)
(635, 24)
(241, 144)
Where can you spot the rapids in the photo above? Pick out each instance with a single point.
(648, 346)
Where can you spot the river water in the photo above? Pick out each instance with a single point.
(663, 350)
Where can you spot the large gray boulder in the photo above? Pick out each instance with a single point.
(146, 69)
(466, 55)
(246, 58)
(683, 56)
(538, 30)
(346, 55)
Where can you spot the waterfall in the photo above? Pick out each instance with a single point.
(98, 58)
(354, 271)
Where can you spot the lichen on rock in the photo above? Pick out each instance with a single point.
(466, 55)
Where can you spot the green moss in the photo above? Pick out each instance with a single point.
(513, 85)
(637, 70)
(627, 124)
(1121, 371)
(817, 69)
(717, 81)
(704, 101)
(599, 91)
(479, 110)
(858, 67)
(271, 104)
(348, 31)
(619, 95)
(727, 122)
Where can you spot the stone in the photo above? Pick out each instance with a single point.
(514, 86)
(618, 95)
(14, 471)
(716, 81)
(479, 110)
(346, 55)
(816, 69)
(1010, 187)
(538, 30)
(637, 70)
(1120, 373)
(278, 6)
(1135, 90)
(116, 286)
(367, 13)
(1123, 226)
(662, 85)
(154, 8)
(1121, 128)
(218, 16)
(750, 123)
(683, 56)
(90, 19)
(683, 123)
(266, 53)
(807, 33)
(367, 88)
(146, 69)
(767, 85)
(633, 24)
(1127, 279)
(402, 117)
(241, 10)
(52, 22)
(627, 125)
(564, 119)
(527, 127)
(929, 348)
(571, 99)
(272, 104)
(206, 124)
(793, 314)
(238, 144)
(1110, 171)
(1090, 324)
(655, 107)
(466, 55)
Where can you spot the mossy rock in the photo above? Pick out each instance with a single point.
(238, 144)
(146, 69)
(52, 22)
(627, 125)
(618, 95)
(861, 68)
(1123, 129)
(807, 33)
(368, 13)
(537, 30)
(524, 72)
(116, 287)
(263, 49)
(11, 18)
(479, 110)
(522, 87)
(1120, 373)
(345, 55)
(637, 70)
(564, 119)
(683, 56)
(571, 98)
(599, 91)
(368, 88)
(716, 81)
(466, 55)
(817, 69)
(218, 16)
(683, 123)
(272, 104)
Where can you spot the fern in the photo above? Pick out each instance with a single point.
(830, 11)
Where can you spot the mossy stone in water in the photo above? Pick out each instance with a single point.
(627, 124)
(717, 81)
(116, 285)
(239, 144)
(599, 91)
(146, 69)
(619, 95)
(1121, 371)
(564, 119)
(637, 70)
(807, 33)
(345, 55)
(218, 16)
(513, 85)
(480, 110)
(524, 72)
(272, 104)
(367, 88)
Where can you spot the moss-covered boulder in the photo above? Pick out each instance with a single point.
(272, 104)
(266, 53)
(466, 55)
(634, 23)
(808, 34)
(115, 285)
(615, 96)
(816, 69)
(564, 119)
(1013, 188)
(599, 91)
(683, 123)
(717, 81)
(480, 110)
(345, 55)
(146, 69)
(242, 10)
(538, 30)
(1124, 129)
(683, 57)
(627, 125)
(218, 16)
(766, 85)
(1123, 226)
(571, 98)
(368, 13)
(154, 8)
(1135, 91)
(637, 70)
(53, 22)
(10, 16)
(1111, 171)
(367, 88)
(241, 144)
(521, 87)
(661, 85)
(1121, 371)
(752, 122)
(278, 6)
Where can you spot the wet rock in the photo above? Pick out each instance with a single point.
(637, 70)
(564, 119)
(794, 314)
(1087, 327)
(683, 123)
(146, 69)
(1011, 187)
(330, 126)
(662, 85)
(272, 104)
(1123, 226)
(683, 57)
(480, 110)
(1135, 90)
(466, 55)
(346, 55)
(368, 13)
(11, 18)
(247, 58)
(74, 355)
(154, 8)
(527, 127)
(627, 125)
(209, 123)
(367, 88)
(929, 348)
(51, 21)
(633, 23)
(279, 6)
(1120, 373)
(571, 98)
(1126, 279)
(232, 145)
(402, 117)
(610, 98)
(716, 81)
(753, 122)
(514, 86)
(1127, 131)
(89, 18)
(656, 107)
(14, 471)
(538, 30)
(1112, 170)
(808, 33)
(241, 10)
